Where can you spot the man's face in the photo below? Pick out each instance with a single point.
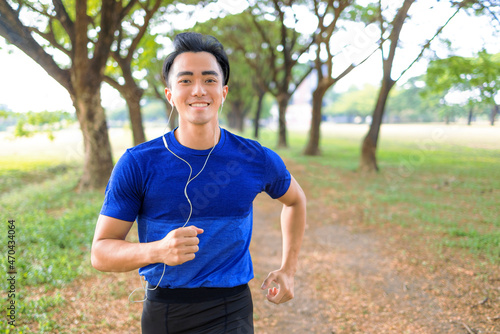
(196, 87)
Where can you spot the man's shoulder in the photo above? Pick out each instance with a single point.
(146, 146)
(144, 152)
(239, 140)
(251, 149)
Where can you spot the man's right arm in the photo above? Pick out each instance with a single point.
(111, 252)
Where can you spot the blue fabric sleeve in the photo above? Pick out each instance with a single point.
(277, 178)
(123, 196)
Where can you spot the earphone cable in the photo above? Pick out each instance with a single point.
(145, 287)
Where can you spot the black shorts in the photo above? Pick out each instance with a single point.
(197, 311)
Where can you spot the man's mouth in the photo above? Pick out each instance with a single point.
(199, 104)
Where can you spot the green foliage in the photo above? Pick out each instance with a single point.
(475, 77)
(4, 114)
(407, 104)
(45, 121)
(354, 102)
(358, 13)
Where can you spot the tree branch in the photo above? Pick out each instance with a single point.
(264, 36)
(112, 82)
(352, 66)
(80, 49)
(50, 37)
(427, 45)
(382, 30)
(143, 29)
(111, 15)
(127, 9)
(17, 34)
(64, 18)
(397, 25)
(298, 82)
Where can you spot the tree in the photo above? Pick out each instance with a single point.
(133, 49)
(390, 34)
(324, 65)
(65, 30)
(474, 77)
(280, 51)
(245, 47)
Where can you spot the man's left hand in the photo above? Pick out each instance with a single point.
(284, 291)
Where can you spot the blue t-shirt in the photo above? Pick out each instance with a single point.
(148, 184)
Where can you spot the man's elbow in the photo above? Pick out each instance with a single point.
(300, 200)
(96, 259)
(302, 196)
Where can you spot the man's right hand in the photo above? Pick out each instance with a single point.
(179, 246)
(111, 252)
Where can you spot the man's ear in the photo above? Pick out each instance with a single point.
(168, 95)
(225, 89)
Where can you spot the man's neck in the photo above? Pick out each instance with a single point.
(197, 137)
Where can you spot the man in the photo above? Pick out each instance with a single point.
(191, 192)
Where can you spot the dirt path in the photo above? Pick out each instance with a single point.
(350, 280)
(344, 285)
(355, 279)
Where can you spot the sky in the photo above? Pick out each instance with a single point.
(25, 86)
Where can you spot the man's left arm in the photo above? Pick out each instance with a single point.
(293, 221)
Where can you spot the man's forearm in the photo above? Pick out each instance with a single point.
(293, 221)
(120, 255)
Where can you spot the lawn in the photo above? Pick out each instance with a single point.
(442, 184)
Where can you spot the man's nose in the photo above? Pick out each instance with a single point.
(198, 89)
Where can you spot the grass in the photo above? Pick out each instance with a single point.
(447, 194)
(54, 228)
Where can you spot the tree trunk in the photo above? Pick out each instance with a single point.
(494, 112)
(258, 113)
(469, 119)
(133, 97)
(98, 162)
(312, 147)
(240, 122)
(282, 135)
(369, 147)
(447, 119)
(132, 94)
(236, 116)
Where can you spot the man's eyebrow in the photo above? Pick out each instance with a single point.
(180, 74)
(210, 73)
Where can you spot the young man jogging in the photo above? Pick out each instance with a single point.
(191, 192)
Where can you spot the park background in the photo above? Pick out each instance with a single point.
(403, 219)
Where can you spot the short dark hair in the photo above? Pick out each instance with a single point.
(196, 42)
